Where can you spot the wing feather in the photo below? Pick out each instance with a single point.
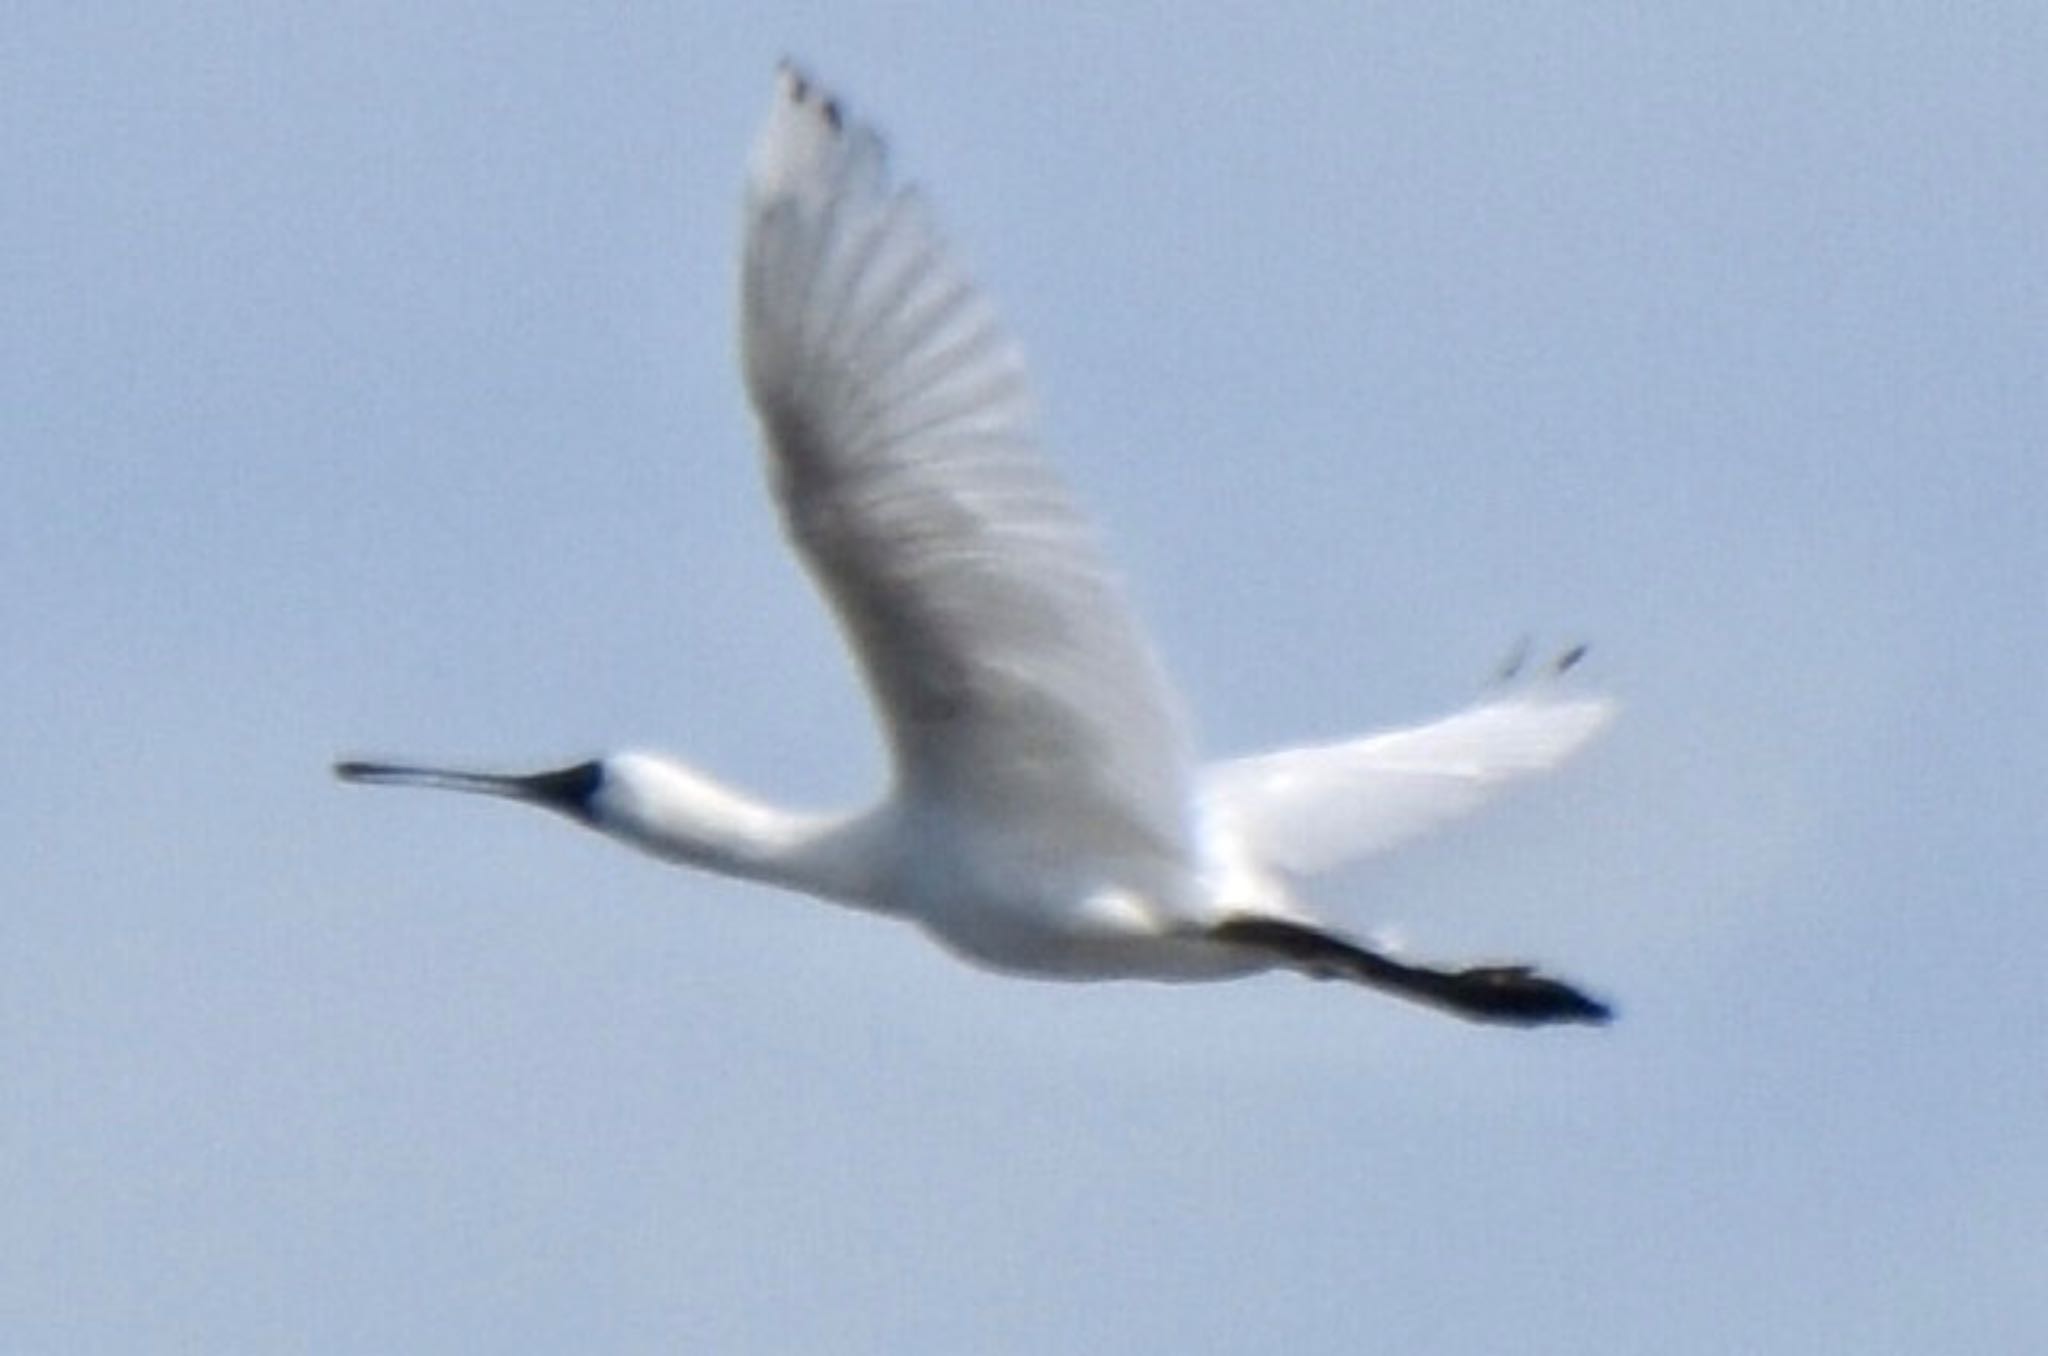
(1306, 810)
(1005, 664)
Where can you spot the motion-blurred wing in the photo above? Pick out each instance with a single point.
(1306, 810)
(1004, 662)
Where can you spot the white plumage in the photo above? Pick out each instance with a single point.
(1044, 816)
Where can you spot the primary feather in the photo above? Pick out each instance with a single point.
(1009, 672)
(1309, 809)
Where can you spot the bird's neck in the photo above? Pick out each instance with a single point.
(683, 816)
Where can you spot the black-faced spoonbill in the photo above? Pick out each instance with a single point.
(1044, 817)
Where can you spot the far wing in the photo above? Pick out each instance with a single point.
(1309, 809)
(1003, 660)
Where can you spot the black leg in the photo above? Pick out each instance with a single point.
(1513, 994)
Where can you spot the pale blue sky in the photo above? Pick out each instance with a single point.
(366, 385)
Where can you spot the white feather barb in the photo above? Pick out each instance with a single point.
(1309, 809)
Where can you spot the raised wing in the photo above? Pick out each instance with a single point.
(1002, 658)
(1309, 809)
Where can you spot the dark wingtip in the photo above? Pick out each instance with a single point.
(1511, 664)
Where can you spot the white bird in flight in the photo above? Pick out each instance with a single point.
(1044, 817)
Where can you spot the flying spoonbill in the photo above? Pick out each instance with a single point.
(1043, 817)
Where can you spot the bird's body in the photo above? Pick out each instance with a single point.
(1044, 817)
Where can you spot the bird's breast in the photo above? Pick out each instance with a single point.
(1031, 914)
